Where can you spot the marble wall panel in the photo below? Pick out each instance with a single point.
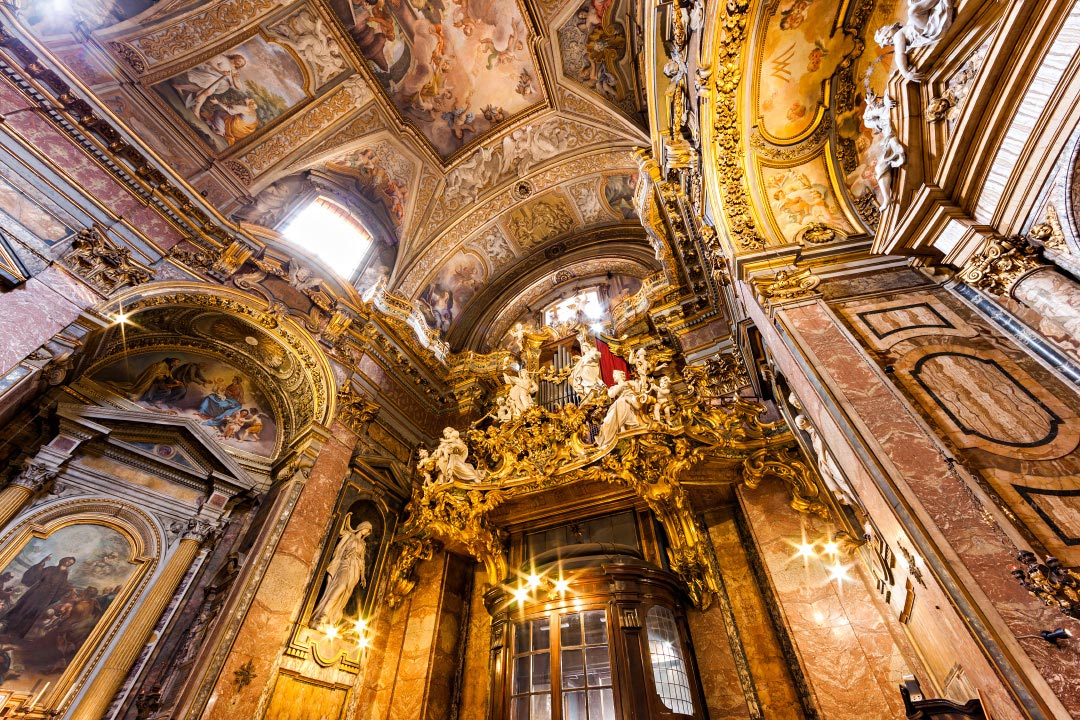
(861, 415)
(851, 660)
(280, 596)
(773, 681)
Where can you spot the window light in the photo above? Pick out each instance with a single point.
(331, 233)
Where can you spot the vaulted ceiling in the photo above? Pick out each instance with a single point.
(481, 141)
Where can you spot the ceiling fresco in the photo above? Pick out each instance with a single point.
(455, 70)
(469, 136)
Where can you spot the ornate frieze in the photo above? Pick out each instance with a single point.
(103, 264)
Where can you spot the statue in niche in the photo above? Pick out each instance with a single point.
(624, 412)
(891, 152)
(826, 463)
(927, 22)
(519, 398)
(450, 460)
(347, 569)
(585, 377)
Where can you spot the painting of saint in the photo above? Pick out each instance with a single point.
(232, 95)
(220, 398)
(443, 299)
(619, 195)
(456, 69)
(53, 594)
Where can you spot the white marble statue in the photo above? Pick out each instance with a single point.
(585, 377)
(624, 412)
(826, 464)
(347, 568)
(451, 459)
(891, 152)
(663, 407)
(519, 398)
(927, 22)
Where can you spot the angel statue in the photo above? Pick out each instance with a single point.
(347, 567)
(891, 152)
(450, 459)
(519, 398)
(585, 377)
(927, 22)
(624, 412)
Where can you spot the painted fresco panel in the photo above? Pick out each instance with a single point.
(802, 195)
(593, 46)
(443, 300)
(220, 397)
(54, 593)
(800, 50)
(236, 93)
(381, 175)
(456, 70)
(619, 194)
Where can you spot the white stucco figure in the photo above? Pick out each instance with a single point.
(927, 22)
(519, 398)
(347, 568)
(891, 152)
(585, 377)
(624, 412)
(826, 464)
(451, 459)
(663, 406)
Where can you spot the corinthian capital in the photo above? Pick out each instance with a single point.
(35, 476)
(1001, 264)
(196, 528)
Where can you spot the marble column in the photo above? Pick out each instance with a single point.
(35, 476)
(1012, 267)
(279, 595)
(118, 662)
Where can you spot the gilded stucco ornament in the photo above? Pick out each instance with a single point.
(103, 264)
(658, 435)
(1001, 264)
(787, 285)
(355, 409)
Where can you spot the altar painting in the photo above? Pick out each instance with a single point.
(219, 397)
(53, 595)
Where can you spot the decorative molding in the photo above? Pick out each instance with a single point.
(1001, 264)
(103, 264)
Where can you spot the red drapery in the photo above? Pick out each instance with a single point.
(609, 363)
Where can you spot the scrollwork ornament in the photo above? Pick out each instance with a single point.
(1001, 264)
(196, 528)
(787, 285)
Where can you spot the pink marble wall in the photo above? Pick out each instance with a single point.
(38, 309)
(279, 599)
(83, 171)
(960, 529)
(852, 662)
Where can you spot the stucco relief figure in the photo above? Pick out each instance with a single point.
(826, 464)
(451, 460)
(519, 398)
(625, 410)
(585, 377)
(891, 152)
(927, 22)
(347, 569)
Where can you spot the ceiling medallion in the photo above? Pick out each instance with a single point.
(523, 189)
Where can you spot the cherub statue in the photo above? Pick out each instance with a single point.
(450, 459)
(424, 465)
(927, 22)
(891, 152)
(663, 405)
(519, 398)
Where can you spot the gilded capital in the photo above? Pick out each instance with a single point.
(1001, 264)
